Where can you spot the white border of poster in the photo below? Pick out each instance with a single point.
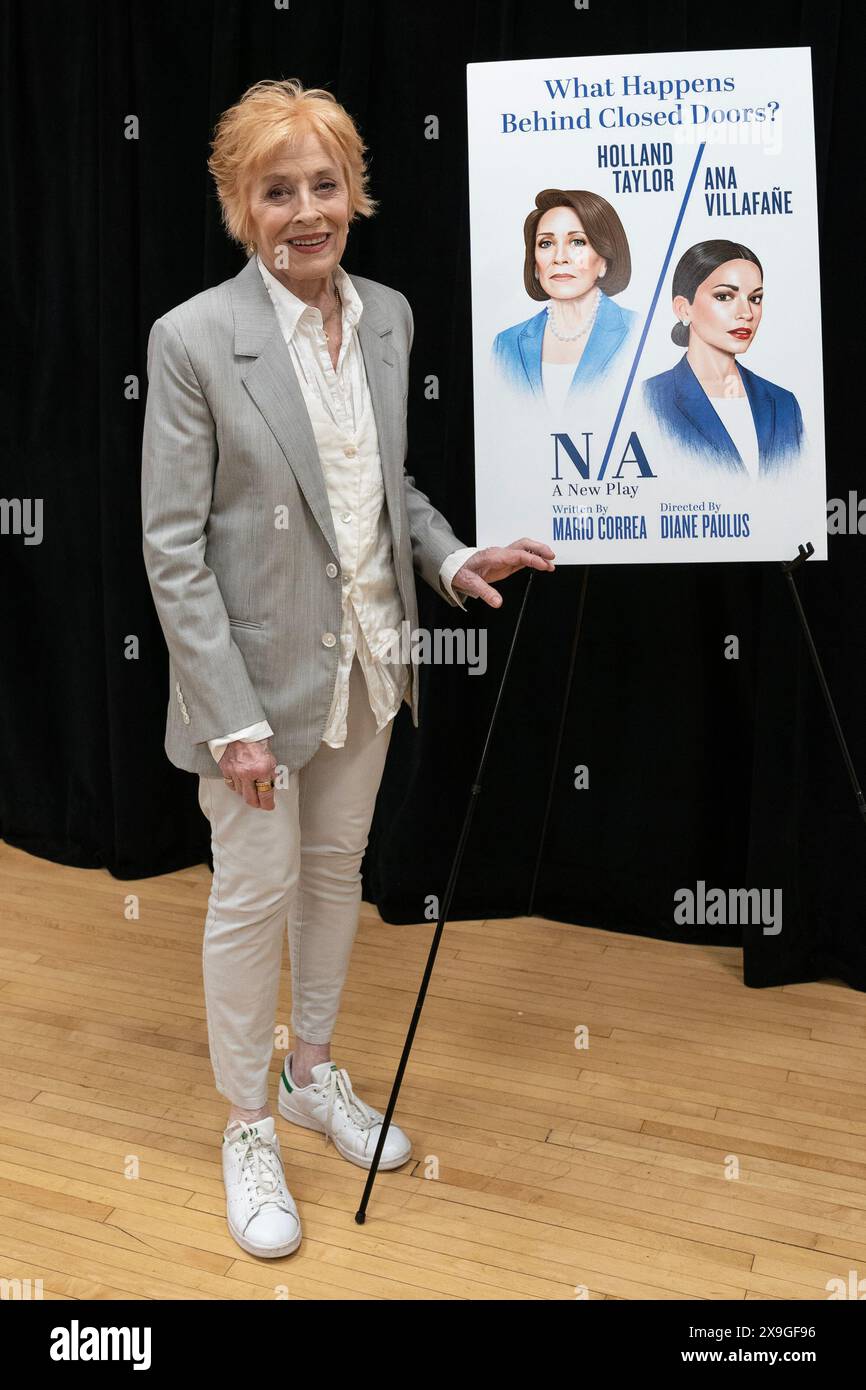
(679, 416)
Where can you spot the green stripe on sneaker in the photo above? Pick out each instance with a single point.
(284, 1081)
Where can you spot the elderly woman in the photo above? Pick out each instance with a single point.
(281, 536)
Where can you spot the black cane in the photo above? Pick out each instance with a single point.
(361, 1213)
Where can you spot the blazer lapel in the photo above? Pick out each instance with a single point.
(763, 414)
(273, 385)
(603, 344)
(691, 399)
(529, 346)
(380, 361)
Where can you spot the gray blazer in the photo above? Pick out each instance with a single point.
(248, 608)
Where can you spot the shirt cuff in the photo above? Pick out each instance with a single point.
(251, 734)
(449, 567)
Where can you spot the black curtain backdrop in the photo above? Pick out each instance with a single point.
(700, 768)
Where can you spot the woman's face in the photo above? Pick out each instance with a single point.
(727, 307)
(566, 263)
(302, 194)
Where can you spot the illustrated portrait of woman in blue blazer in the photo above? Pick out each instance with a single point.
(709, 404)
(576, 259)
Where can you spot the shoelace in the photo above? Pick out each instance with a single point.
(264, 1161)
(339, 1088)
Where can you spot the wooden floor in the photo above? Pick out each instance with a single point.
(709, 1144)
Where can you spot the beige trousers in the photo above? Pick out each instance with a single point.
(297, 866)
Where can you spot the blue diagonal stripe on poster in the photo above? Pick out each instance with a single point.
(652, 308)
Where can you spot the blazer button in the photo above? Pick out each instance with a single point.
(350, 451)
(330, 570)
(328, 638)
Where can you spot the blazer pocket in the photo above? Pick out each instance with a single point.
(243, 622)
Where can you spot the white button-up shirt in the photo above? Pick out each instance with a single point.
(341, 414)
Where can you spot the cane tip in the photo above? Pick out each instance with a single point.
(360, 1217)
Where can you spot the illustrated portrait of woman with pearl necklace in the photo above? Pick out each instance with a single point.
(576, 259)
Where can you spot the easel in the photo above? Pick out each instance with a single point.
(789, 568)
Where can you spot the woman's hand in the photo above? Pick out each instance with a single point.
(244, 764)
(485, 567)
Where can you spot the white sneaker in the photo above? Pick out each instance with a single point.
(330, 1106)
(261, 1211)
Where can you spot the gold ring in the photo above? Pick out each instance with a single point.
(263, 786)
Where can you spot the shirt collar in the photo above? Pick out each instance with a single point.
(290, 310)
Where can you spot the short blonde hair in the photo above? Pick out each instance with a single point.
(269, 114)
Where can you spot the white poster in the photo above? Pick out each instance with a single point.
(646, 306)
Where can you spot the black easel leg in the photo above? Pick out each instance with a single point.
(559, 737)
(788, 569)
(360, 1214)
